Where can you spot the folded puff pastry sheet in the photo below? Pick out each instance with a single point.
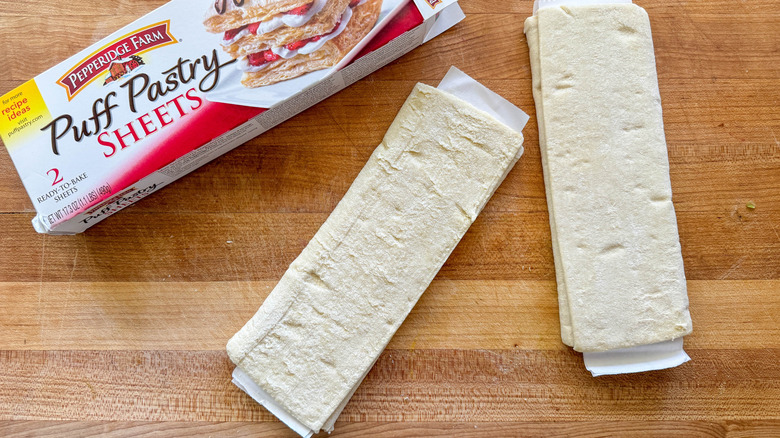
(335, 309)
(615, 242)
(363, 19)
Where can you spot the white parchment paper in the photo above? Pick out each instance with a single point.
(638, 359)
(463, 86)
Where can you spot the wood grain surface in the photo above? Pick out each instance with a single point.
(120, 331)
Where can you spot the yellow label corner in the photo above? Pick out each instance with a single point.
(22, 113)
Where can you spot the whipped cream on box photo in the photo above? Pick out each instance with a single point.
(295, 17)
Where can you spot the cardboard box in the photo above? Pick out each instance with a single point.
(185, 84)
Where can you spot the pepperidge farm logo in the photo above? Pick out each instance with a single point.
(118, 57)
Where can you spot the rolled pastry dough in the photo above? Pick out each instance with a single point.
(337, 306)
(617, 253)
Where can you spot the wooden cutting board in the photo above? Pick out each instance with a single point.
(121, 330)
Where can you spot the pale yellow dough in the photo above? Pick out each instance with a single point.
(335, 309)
(617, 253)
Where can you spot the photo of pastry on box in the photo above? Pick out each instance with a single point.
(282, 46)
(277, 40)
